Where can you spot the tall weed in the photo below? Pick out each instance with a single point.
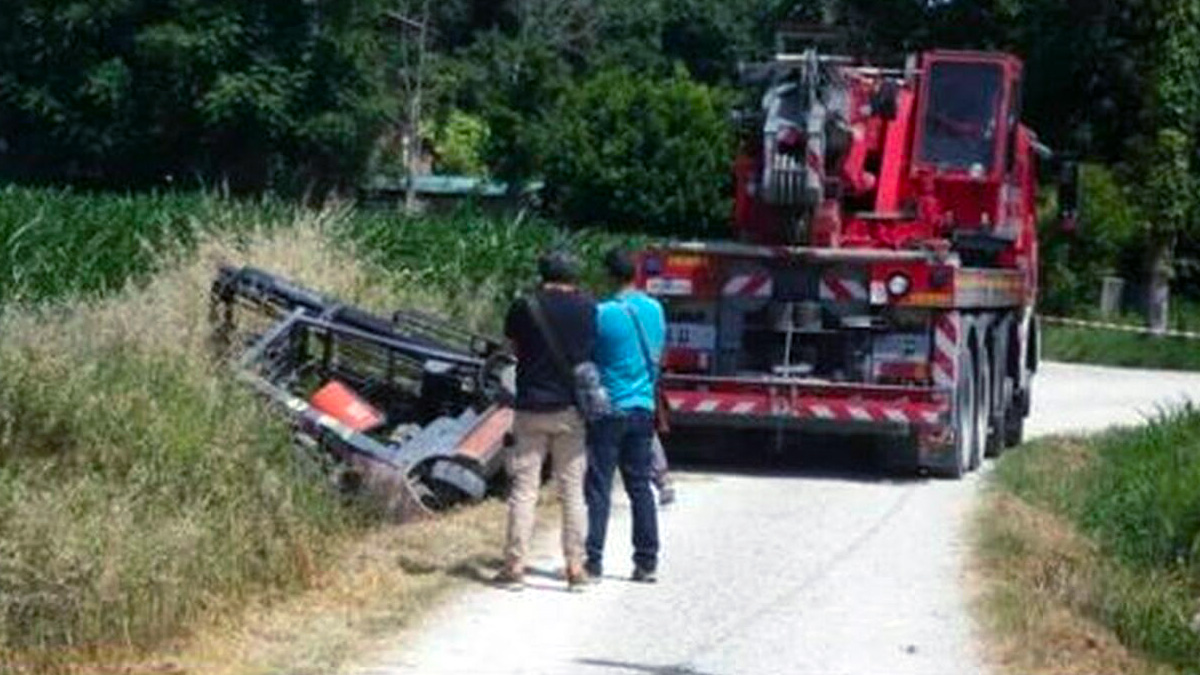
(1136, 494)
(140, 488)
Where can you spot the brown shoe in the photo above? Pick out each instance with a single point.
(577, 579)
(509, 578)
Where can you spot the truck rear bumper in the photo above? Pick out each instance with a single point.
(923, 413)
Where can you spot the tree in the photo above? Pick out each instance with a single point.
(1172, 113)
(411, 65)
(259, 93)
(632, 150)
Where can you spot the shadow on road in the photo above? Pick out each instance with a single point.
(646, 669)
(748, 453)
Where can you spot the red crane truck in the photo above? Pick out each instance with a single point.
(885, 270)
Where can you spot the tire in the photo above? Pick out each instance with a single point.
(964, 417)
(1014, 431)
(983, 405)
(995, 436)
(998, 438)
(1014, 423)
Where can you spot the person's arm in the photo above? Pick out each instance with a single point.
(591, 332)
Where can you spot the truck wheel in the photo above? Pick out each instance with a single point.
(995, 435)
(964, 416)
(983, 405)
(1014, 422)
(1014, 431)
(998, 438)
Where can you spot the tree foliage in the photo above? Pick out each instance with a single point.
(276, 93)
(128, 92)
(641, 152)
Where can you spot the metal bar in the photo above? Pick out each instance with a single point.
(767, 381)
(816, 254)
(406, 347)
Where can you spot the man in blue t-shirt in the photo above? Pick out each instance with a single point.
(630, 334)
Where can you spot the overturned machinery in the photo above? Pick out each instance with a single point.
(412, 411)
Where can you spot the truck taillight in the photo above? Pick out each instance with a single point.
(898, 285)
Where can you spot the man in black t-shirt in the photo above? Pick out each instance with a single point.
(547, 421)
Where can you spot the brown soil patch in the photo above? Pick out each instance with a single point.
(1034, 574)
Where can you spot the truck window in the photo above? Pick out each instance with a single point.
(962, 116)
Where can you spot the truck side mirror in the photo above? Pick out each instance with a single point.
(1069, 188)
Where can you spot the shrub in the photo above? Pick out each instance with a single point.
(460, 141)
(1108, 243)
(633, 151)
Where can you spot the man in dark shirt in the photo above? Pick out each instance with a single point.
(547, 421)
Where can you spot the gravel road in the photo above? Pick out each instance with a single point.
(821, 571)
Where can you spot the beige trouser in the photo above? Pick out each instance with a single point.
(561, 436)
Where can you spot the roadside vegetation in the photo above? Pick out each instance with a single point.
(1089, 552)
(1110, 241)
(143, 493)
(1117, 348)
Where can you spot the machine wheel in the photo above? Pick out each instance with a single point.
(983, 405)
(965, 417)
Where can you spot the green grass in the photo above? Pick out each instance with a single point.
(59, 243)
(1136, 495)
(466, 256)
(1114, 348)
(135, 496)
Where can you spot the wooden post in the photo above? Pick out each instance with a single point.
(1111, 292)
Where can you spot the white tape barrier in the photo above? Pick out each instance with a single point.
(1123, 328)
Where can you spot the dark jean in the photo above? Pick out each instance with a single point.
(621, 441)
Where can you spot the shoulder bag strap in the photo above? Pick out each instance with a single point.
(651, 365)
(556, 351)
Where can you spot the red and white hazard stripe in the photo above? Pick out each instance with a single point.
(756, 285)
(925, 414)
(814, 155)
(947, 339)
(836, 287)
(712, 404)
(897, 413)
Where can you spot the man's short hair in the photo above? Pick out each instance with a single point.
(619, 264)
(558, 267)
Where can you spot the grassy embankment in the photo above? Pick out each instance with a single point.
(1089, 553)
(1117, 348)
(146, 502)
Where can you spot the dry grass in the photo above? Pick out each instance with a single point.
(381, 585)
(1038, 578)
(140, 490)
